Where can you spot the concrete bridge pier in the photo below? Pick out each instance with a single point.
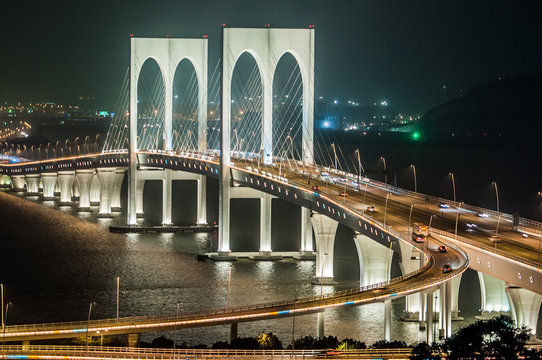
(95, 191)
(140, 186)
(49, 181)
(32, 184)
(306, 231)
(166, 197)
(525, 306)
(133, 340)
(265, 224)
(387, 320)
(429, 316)
(324, 229)
(57, 187)
(26, 344)
(117, 188)
(202, 200)
(233, 331)
(455, 283)
(75, 195)
(410, 261)
(84, 180)
(374, 260)
(106, 177)
(445, 313)
(66, 180)
(320, 325)
(5, 181)
(494, 300)
(18, 182)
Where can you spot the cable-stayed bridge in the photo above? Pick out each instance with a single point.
(259, 142)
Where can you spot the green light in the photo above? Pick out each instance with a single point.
(415, 135)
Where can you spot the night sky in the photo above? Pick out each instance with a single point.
(401, 51)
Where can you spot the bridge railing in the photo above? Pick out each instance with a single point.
(345, 297)
(169, 353)
(488, 248)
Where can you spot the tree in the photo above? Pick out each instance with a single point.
(351, 344)
(269, 341)
(245, 343)
(384, 344)
(424, 351)
(327, 342)
(496, 338)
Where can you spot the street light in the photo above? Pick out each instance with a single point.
(334, 155)
(385, 169)
(453, 183)
(360, 167)
(410, 216)
(4, 321)
(414, 173)
(498, 212)
(457, 218)
(386, 208)
(175, 331)
(88, 319)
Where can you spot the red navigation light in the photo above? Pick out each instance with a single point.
(223, 25)
(267, 25)
(131, 35)
(312, 26)
(214, 222)
(168, 36)
(205, 36)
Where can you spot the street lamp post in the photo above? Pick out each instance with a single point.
(414, 174)
(385, 169)
(88, 319)
(498, 212)
(457, 218)
(334, 155)
(386, 208)
(429, 228)
(4, 321)
(453, 183)
(410, 217)
(175, 331)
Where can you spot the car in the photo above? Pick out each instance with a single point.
(342, 179)
(419, 238)
(472, 225)
(343, 194)
(482, 215)
(371, 209)
(446, 268)
(442, 249)
(443, 205)
(316, 188)
(495, 239)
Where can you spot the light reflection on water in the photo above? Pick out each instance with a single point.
(56, 266)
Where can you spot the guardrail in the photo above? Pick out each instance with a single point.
(487, 248)
(162, 353)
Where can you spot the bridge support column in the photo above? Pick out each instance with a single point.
(494, 300)
(49, 181)
(445, 314)
(387, 320)
(140, 186)
(106, 177)
(26, 344)
(324, 231)
(57, 188)
(66, 180)
(410, 261)
(306, 231)
(265, 223)
(320, 326)
(95, 194)
(429, 316)
(233, 331)
(84, 180)
(202, 199)
(5, 181)
(75, 195)
(32, 184)
(374, 260)
(18, 182)
(117, 188)
(166, 198)
(525, 306)
(133, 340)
(455, 283)
(422, 314)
